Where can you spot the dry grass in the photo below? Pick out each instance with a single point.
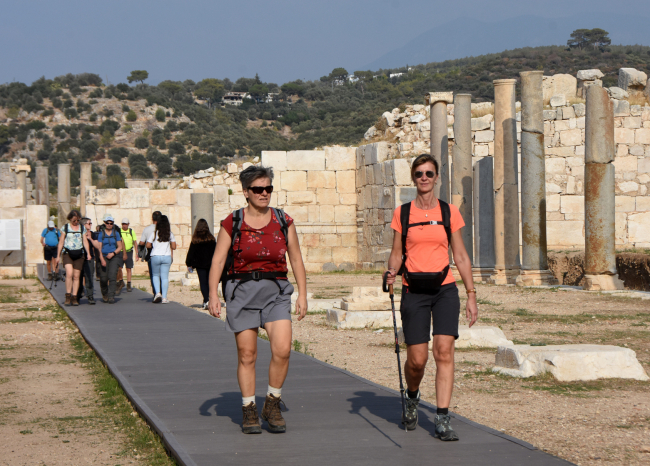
(637, 98)
(480, 112)
(576, 100)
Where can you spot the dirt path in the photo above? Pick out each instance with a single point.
(600, 422)
(58, 404)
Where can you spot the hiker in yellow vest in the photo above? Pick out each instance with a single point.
(130, 239)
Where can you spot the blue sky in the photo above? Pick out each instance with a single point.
(281, 40)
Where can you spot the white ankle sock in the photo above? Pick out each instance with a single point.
(246, 400)
(276, 392)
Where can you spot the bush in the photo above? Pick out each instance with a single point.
(127, 128)
(108, 125)
(116, 154)
(114, 170)
(141, 172)
(141, 142)
(70, 113)
(96, 94)
(164, 169)
(43, 155)
(89, 148)
(115, 182)
(93, 117)
(131, 116)
(176, 148)
(160, 115)
(48, 112)
(171, 126)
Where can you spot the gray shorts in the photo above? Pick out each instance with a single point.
(129, 259)
(256, 303)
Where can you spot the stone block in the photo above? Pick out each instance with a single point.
(276, 159)
(481, 150)
(342, 254)
(642, 204)
(300, 197)
(345, 214)
(552, 202)
(625, 204)
(162, 196)
(568, 112)
(642, 136)
(340, 158)
(637, 149)
(178, 215)
(589, 75)
(326, 214)
(306, 160)
(569, 362)
(484, 136)
(572, 205)
(293, 181)
(378, 153)
(237, 201)
(559, 84)
(331, 241)
(482, 123)
(627, 186)
(321, 179)
(560, 151)
(11, 198)
(319, 255)
(327, 196)
(625, 164)
(621, 108)
(104, 197)
(404, 195)
(580, 110)
(632, 122)
(630, 78)
(134, 198)
(556, 166)
(220, 194)
(638, 227)
(549, 115)
(431, 98)
(231, 168)
(36, 217)
(348, 198)
(644, 165)
(300, 214)
(571, 137)
(401, 172)
(345, 182)
(558, 100)
(564, 233)
(481, 337)
(313, 213)
(362, 319)
(624, 136)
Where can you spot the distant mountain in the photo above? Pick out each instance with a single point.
(471, 37)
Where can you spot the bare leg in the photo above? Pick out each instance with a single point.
(75, 281)
(246, 357)
(49, 266)
(280, 338)
(443, 353)
(416, 362)
(128, 275)
(68, 278)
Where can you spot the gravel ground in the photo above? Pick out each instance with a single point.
(599, 422)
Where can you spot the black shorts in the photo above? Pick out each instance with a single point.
(50, 252)
(418, 309)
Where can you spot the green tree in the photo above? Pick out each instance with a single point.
(131, 116)
(170, 86)
(293, 88)
(578, 39)
(210, 89)
(138, 75)
(598, 38)
(259, 92)
(106, 139)
(141, 142)
(160, 114)
(338, 74)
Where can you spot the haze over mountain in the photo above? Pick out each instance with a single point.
(471, 37)
(282, 40)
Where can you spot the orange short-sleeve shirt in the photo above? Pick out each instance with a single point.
(426, 245)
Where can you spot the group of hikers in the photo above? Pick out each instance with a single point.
(248, 259)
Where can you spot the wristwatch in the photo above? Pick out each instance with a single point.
(473, 290)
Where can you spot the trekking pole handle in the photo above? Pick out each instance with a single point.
(384, 286)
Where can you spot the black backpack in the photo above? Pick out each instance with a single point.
(74, 254)
(228, 272)
(424, 281)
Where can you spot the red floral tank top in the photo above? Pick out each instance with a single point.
(259, 250)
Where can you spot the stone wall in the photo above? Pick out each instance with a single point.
(316, 188)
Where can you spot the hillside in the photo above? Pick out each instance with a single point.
(161, 131)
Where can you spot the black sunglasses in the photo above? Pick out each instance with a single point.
(261, 189)
(108, 223)
(429, 173)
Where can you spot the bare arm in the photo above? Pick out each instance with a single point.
(60, 248)
(43, 241)
(86, 247)
(218, 262)
(395, 258)
(298, 267)
(464, 266)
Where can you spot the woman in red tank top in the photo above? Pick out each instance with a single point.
(257, 292)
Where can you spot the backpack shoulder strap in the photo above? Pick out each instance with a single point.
(405, 213)
(66, 228)
(446, 220)
(237, 220)
(284, 225)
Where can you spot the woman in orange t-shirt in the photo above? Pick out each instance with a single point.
(433, 293)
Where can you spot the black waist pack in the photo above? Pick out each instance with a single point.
(75, 254)
(425, 282)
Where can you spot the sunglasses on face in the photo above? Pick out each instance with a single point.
(108, 223)
(261, 189)
(429, 173)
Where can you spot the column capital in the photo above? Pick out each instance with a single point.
(21, 168)
(505, 82)
(434, 97)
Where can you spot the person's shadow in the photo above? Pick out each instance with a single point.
(389, 408)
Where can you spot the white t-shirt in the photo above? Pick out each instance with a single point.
(147, 232)
(161, 248)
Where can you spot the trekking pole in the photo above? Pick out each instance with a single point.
(389, 289)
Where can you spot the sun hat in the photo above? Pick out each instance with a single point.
(108, 217)
(50, 224)
(126, 220)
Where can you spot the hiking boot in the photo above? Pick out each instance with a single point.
(128, 287)
(91, 300)
(120, 285)
(50, 276)
(272, 414)
(74, 301)
(251, 423)
(443, 428)
(111, 300)
(104, 299)
(411, 419)
(68, 297)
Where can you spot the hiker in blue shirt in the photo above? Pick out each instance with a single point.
(109, 246)
(50, 240)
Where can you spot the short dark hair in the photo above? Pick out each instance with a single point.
(253, 173)
(421, 160)
(85, 220)
(74, 213)
(155, 217)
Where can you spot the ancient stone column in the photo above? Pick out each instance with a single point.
(483, 211)
(461, 179)
(42, 186)
(534, 261)
(202, 208)
(63, 194)
(21, 183)
(600, 253)
(85, 180)
(506, 196)
(439, 138)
